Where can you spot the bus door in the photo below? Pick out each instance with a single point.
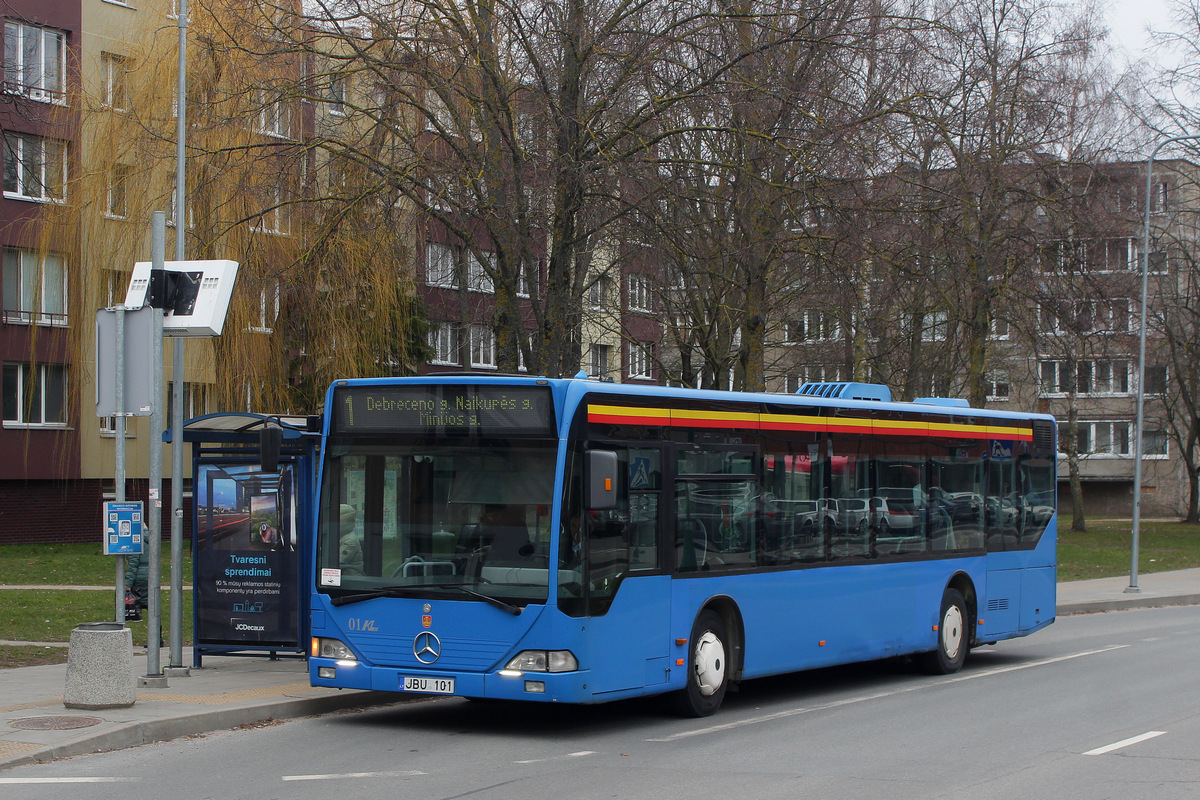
(626, 590)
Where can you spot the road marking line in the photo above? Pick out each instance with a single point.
(14, 781)
(880, 695)
(558, 758)
(1099, 751)
(333, 776)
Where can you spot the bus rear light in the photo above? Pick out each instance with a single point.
(543, 661)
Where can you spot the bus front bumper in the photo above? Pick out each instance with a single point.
(547, 687)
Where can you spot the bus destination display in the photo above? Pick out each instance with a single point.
(481, 410)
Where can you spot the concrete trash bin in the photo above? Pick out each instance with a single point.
(100, 667)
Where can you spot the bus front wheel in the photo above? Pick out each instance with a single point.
(953, 639)
(707, 666)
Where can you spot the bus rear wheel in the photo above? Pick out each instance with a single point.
(953, 636)
(707, 666)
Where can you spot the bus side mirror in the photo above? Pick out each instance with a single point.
(600, 480)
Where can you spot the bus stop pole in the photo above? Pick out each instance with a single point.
(119, 470)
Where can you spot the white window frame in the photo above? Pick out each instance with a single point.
(600, 293)
(274, 116)
(482, 344)
(277, 218)
(812, 325)
(117, 204)
(479, 279)
(114, 81)
(30, 281)
(998, 386)
(599, 359)
(437, 114)
(640, 294)
(195, 399)
(26, 153)
(14, 385)
(443, 341)
(441, 267)
(35, 81)
(337, 95)
(935, 326)
(641, 360)
(268, 309)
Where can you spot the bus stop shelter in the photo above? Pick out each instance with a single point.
(254, 483)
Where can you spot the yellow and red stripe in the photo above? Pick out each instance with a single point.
(930, 427)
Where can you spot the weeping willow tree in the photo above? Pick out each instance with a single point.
(325, 284)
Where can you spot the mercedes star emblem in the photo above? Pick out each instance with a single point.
(427, 647)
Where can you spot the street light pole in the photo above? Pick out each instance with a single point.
(177, 366)
(1141, 390)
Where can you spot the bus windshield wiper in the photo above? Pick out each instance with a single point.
(492, 601)
(408, 591)
(358, 597)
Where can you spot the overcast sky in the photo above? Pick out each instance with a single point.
(1128, 20)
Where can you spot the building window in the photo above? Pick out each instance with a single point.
(1154, 444)
(600, 293)
(114, 84)
(443, 341)
(1156, 379)
(639, 293)
(1088, 378)
(523, 279)
(35, 167)
(483, 346)
(439, 266)
(998, 387)
(35, 287)
(35, 395)
(337, 96)
(276, 217)
(273, 117)
(1000, 329)
(1100, 438)
(268, 310)
(35, 62)
(935, 326)
(195, 400)
(641, 358)
(118, 188)
(1055, 377)
(479, 272)
(598, 360)
(437, 114)
(811, 326)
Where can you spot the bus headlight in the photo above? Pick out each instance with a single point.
(331, 648)
(544, 661)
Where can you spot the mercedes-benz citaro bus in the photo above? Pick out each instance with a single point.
(576, 541)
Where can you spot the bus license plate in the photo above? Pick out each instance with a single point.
(428, 685)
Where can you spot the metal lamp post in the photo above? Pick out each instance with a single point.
(1141, 391)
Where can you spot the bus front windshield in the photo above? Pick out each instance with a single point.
(460, 521)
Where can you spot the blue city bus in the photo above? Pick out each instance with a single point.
(578, 541)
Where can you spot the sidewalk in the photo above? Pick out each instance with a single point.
(230, 691)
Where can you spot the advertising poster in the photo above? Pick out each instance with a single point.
(247, 568)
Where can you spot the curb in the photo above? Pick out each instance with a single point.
(1097, 606)
(161, 730)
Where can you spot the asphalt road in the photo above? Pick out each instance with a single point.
(1096, 706)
